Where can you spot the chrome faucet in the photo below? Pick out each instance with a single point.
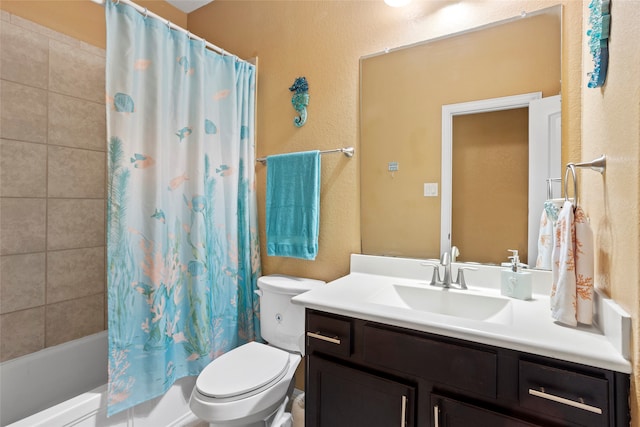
(445, 261)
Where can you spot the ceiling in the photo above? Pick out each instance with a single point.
(188, 6)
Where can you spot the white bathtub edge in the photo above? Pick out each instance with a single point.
(91, 409)
(68, 412)
(65, 385)
(40, 380)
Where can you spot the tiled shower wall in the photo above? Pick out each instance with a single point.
(52, 188)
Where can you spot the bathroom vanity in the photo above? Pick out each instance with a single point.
(363, 373)
(377, 356)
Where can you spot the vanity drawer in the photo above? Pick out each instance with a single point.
(448, 364)
(328, 334)
(564, 394)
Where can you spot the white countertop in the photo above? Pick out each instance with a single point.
(530, 329)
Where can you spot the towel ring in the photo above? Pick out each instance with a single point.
(571, 166)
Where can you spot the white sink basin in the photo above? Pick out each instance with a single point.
(463, 304)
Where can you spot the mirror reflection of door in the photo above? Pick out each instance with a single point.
(490, 164)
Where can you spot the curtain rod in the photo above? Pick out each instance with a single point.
(144, 11)
(347, 151)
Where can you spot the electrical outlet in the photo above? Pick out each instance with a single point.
(430, 189)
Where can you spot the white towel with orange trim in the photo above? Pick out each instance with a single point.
(572, 268)
(545, 238)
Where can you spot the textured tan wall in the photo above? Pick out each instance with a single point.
(324, 42)
(82, 19)
(611, 126)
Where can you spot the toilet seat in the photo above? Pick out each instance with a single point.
(243, 371)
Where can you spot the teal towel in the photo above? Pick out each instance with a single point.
(293, 204)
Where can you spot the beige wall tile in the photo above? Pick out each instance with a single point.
(70, 117)
(76, 72)
(44, 31)
(21, 332)
(74, 319)
(22, 279)
(74, 172)
(24, 57)
(98, 51)
(77, 123)
(22, 225)
(23, 169)
(75, 223)
(23, 112)
(75, 273)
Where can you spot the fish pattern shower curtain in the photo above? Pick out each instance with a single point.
(182, 242)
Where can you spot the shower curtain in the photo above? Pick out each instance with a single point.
(182, 242)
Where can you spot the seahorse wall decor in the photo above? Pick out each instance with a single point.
(300, 100)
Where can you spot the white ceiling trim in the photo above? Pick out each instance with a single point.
(188, 6)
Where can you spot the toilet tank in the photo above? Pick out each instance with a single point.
(281, 321)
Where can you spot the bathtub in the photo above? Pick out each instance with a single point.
(65, 385)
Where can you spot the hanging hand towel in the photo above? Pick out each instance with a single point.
(293, 204)
(548, 221)
(584, 267)
(572, 268)
(563, 289)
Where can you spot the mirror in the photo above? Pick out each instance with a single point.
(403, 92)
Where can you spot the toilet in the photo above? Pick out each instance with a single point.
(250, 385)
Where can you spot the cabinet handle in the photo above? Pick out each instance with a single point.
(403, 414)
(564, 401)
(319, 336)
(436, 416)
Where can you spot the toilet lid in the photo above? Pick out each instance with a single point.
(249, 368)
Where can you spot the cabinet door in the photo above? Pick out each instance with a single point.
(448, 412)
(341, 396)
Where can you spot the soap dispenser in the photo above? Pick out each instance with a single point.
(515, 283)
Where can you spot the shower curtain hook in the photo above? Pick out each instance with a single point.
(117, 2)
(146, 12)
(168, 24)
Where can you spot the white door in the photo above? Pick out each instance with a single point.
(545, 161)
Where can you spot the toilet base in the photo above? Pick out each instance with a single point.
(279, 418)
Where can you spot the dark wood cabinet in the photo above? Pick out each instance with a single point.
(366, 374)
(352, 397)
(454, 413)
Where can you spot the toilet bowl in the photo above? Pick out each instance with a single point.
(244, 387)
(250, 385)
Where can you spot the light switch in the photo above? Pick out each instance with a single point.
(430, 189)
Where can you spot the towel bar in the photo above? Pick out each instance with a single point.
(347, 151)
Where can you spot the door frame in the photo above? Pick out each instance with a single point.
(474, 107)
